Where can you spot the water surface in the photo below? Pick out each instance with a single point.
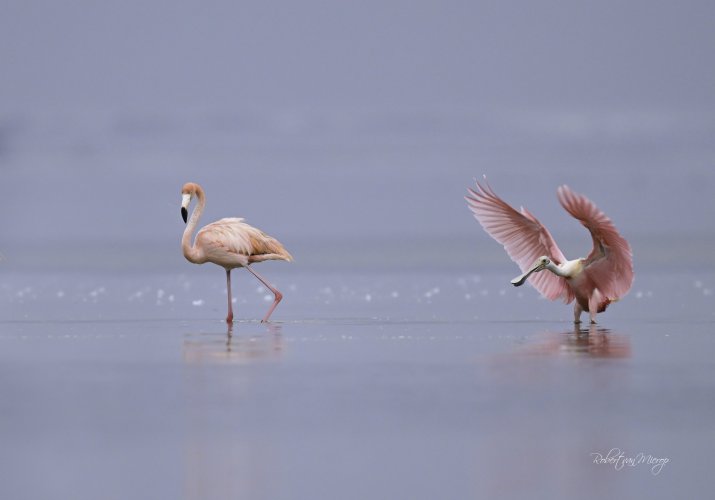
(432, 385)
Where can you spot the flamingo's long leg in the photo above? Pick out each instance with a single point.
(229, 336)
(229, 317)
(276, 294)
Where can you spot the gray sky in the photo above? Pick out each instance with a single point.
(350, 121)
(163, 55)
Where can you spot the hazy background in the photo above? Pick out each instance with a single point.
(401, 363)
(351, 130)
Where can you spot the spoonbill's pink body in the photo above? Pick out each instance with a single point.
(229, 243)
(594, 282)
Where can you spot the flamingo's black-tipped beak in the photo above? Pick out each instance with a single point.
(185, 200)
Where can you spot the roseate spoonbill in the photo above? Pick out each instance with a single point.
(603, 277)
(229, 243)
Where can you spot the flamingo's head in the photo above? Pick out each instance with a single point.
(189, 190)
(538, 265)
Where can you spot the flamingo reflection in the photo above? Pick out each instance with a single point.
(220, 460)
(257, 342)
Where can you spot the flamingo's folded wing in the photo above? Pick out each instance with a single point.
(234, 236)
(610, 263)
(524, 238)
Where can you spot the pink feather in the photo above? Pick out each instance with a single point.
(524, 238)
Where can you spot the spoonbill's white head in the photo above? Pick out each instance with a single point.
(539, 265)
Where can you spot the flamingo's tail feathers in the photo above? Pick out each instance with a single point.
(287, 256)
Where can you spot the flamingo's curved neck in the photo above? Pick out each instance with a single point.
(192, 253)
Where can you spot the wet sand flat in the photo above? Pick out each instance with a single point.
(440, 385)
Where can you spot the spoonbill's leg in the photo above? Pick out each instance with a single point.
(593, 305)
(229, 317)
(577, 310)
(276, 294)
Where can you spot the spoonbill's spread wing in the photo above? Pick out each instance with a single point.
(610, 263)
(524, 238)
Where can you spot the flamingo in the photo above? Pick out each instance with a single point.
(603, 277)
(229, 243)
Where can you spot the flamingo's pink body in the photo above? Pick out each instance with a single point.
(229, 243)
(594, 282)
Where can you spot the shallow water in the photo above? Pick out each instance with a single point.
(395, 385)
